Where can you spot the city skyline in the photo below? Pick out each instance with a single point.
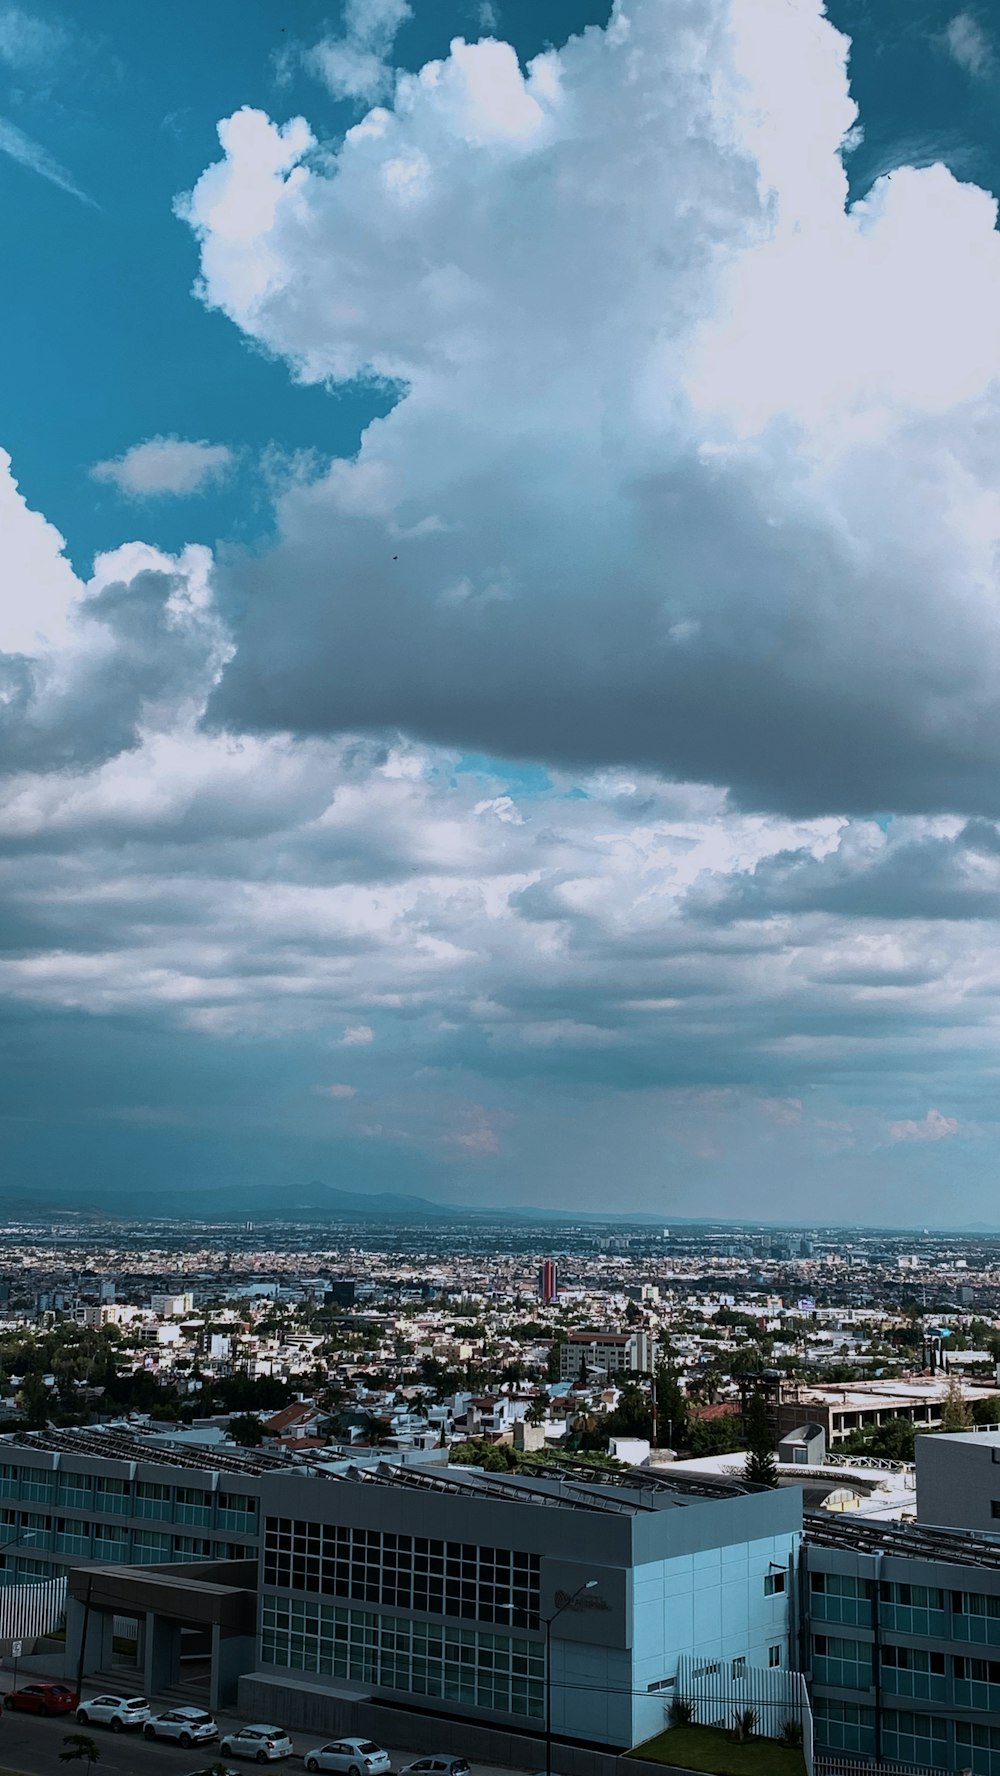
(497, 583)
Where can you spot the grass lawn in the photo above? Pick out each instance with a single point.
(710, 1749)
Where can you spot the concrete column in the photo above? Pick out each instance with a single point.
(233, 1655)
(98, 1652)
(162, 1653)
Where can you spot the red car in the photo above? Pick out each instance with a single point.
(42, 1698)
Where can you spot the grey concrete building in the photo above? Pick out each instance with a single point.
(958, 1480)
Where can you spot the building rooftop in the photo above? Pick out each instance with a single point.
(914, 1541)
(574, 1487)
(120, 1445)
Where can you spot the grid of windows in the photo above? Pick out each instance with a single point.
(915, 1739)
(38, 1484)
(978, 1748)
(237, 1510)
(193, 1505)
(403, 1571)
(500, 1672)
(76, 1490)
(110, 1542)
(977, 1684)
(840, 1597)
(111, 1495)
(844, 1726)
(152, 1499)
(71, 1537)
(192, 1548)
(913, 1671)
(914, 1609)
(975, 1618)
(846, 1664)
(149, 1545)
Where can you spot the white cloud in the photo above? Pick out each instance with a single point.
(31, 154)
(25, 40)
(176, 466)
(932, 1127)
(776, 472)
(356, 64)
(968, 43)
(337, 1092)
(357, 1036)
(38, 587)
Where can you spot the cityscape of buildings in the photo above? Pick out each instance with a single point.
(313, 1474)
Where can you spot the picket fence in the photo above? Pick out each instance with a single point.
(28, 1610)
(721, 1690)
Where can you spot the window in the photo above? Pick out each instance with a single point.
(499, 1672)
(774, 1655)
(840, 1597)
(844, 1726)
(846, 1664)
(915, 1738)
(995, 1507)
(739, 1668)
(403, 1571)
(774, 1582)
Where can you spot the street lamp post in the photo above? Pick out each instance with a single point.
(588, 1585)
(26, 1535)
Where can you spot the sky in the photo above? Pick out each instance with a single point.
(499, 625)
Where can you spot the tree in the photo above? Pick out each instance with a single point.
(79, 1748)
(715, 1436)
(671, 1408)
(955, 1414)
(246, 1430)
(761, 1468)
(891, 1441)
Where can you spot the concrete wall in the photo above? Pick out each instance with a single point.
(958, 1479)
(305, 1709)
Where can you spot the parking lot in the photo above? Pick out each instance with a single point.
(31, 1744)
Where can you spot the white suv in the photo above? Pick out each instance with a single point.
(115, 1712)
(189, 1726)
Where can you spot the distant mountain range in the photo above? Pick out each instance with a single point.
(318, 1202)
(306, 1202)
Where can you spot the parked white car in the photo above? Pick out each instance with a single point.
(264, 1744)
(189, 1726)
(116, 1712)
(357, 1757)
(441, 1765)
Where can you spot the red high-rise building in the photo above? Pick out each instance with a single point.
(548, 1280)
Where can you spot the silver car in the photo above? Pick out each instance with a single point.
(189, 1726)
(357, 1757)
(116, 1712)
(443, 1764)
(263, 1744)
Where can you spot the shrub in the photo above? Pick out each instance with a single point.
(681, 1713)
(745, 1723)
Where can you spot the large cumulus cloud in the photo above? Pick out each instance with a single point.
(692, 465)
(87, 667)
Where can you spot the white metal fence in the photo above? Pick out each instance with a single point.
(29, 1610)
(851, 1766)
(722, 1692)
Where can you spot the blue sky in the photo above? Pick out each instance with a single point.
(531, 721)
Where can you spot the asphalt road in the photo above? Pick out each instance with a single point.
(30, 1746)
